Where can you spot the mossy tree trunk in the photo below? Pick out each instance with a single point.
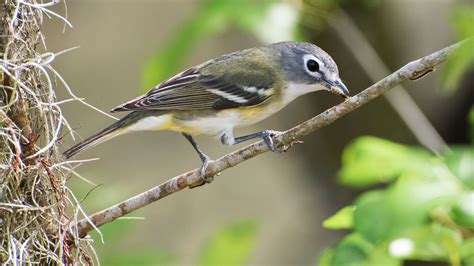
(34, 199)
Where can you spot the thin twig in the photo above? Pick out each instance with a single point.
(192, 178)
(376, 69)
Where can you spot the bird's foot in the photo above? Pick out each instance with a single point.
(268, 138)
(202, 171)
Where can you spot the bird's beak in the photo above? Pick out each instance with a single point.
(338, 88)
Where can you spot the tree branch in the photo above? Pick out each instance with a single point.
(191, 179)
(398, 97)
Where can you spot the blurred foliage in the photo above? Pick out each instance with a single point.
(314, 14)
(471, 122)
(371, 160)
(425, 212)
(341, 220)
(463, 58)
(121, 231)
(115, 235)
(460, 162)
(212, 17)
(230, 246)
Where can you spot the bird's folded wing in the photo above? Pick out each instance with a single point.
(192, 90)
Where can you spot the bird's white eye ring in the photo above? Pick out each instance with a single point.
(313, 65)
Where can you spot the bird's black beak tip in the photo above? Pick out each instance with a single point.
(346, 94)
(341, 90)
(337, 87)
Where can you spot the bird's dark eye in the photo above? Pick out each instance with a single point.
(312, 65)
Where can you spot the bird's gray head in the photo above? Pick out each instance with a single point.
(307, 65)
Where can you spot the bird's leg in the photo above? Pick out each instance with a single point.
(266, 135)
(204, 158)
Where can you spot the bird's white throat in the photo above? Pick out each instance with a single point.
(294, 90)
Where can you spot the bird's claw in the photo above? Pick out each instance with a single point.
(268, 138)
(202, 171)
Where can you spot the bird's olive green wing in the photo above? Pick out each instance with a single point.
(231, 85)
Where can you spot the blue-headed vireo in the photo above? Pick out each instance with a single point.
(236, 89)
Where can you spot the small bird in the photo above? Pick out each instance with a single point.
(236, 89)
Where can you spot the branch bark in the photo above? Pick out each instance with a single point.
(191, 179)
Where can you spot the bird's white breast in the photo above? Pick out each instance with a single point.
(213, 124)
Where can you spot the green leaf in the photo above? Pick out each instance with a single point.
(463, 58)
(460, 161)
(381, 215)
(380, 256)
(463, 211)
(413, 198)
(373, 219)
(326, 257)
(341, 219)
(230, 246)
(370, 160)
(467, 252)
(353, 250)
(431, 242)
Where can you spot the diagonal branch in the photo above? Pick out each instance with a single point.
(191, 179)
(398, 98)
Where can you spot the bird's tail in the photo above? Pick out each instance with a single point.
(114, 130)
